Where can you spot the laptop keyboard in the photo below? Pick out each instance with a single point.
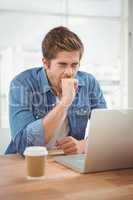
(76, 160)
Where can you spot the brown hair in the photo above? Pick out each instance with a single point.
(60, 39)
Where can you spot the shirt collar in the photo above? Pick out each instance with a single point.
(44, 83)
(80, 79)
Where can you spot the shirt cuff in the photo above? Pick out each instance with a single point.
(35, 133)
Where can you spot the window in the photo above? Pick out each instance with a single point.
(101, 24)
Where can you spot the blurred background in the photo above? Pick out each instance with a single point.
(104, 26)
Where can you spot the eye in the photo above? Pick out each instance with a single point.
(62, 65)
(75, 65)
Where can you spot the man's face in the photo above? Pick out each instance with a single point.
(65, 65)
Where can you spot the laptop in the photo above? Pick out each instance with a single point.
(109, 145)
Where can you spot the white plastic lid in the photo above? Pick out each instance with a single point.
(35, 151)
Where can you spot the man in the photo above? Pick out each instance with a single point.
(51, 105)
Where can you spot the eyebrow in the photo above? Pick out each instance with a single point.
(63, 63)
(75, 63)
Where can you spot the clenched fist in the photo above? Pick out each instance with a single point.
(69, 87)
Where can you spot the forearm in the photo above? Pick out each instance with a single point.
(52, 120)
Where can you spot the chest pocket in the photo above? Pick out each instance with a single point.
(82, 115)
(83, 111)
(79, 117)
(42, 111)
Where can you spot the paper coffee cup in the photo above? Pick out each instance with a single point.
(35, 161)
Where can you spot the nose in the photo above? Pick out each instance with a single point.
(68, 72)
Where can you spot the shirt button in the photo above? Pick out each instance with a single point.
(37, 117)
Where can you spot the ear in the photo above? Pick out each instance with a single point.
(45, 63)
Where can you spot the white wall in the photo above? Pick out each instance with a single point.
(130, 48)
(4, 139)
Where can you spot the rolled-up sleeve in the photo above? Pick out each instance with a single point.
(26, 130)
(35, 133)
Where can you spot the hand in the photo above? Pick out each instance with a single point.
(69, 86)
(72, 146)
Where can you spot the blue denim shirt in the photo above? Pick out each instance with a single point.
(31, 98)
